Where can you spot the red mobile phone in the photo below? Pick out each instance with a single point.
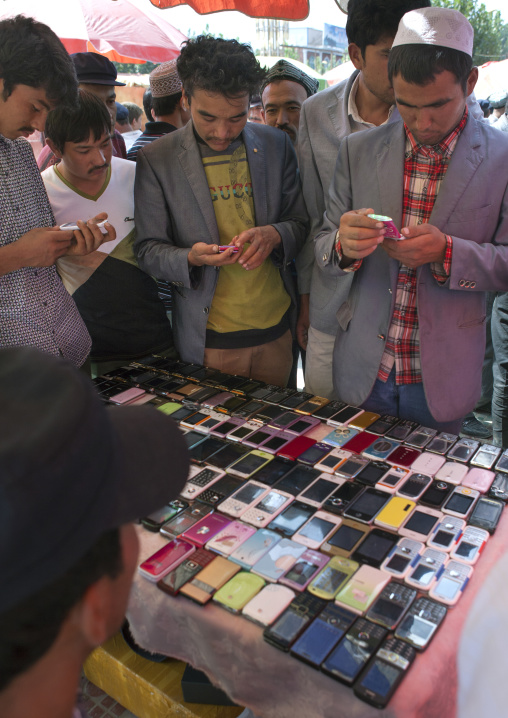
(403, 456)
(166, 559)
(296, 447)
(360, 442)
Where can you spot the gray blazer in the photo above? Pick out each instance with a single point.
(324, 122)
(174, 210)
(472, 207)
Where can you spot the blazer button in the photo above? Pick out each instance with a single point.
(325, 257)
(206, 310)
(473, 285)
(461, 283)
(467, 284)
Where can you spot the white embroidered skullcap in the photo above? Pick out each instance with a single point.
(436, 26)
(164, 80)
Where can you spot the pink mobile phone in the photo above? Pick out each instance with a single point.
(479, 479)
(303, 425)
(270, 602)
(166, 559)
(304, 570)
(217, 399)
(267, 507)
(207, 528)
(243, 498)
(277, 441)
(127, 396)
(318, 432)
(452, 472)
(227, 540)
(227, 425)
(391, 230)
(223, 247)
(296, 447)
(392, 479)
(428, 463)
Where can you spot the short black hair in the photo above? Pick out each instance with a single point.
(147, 104)
(134, 110)
(29, 629)
(89, 116)
(31, 54)
(419, 64)
(165, 105)
(369, 21)
(216, 65)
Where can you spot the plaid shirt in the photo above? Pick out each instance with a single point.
(424, 169)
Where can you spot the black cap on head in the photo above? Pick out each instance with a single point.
(71, 469)
(122, 113)
(95, 69)
(284, 70)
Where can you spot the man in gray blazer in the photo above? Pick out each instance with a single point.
(411, 335)
(219, 213)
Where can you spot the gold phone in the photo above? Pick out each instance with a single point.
(396, 511)
(364, 420)
(346, 539)
(210, 579)
(333, 576)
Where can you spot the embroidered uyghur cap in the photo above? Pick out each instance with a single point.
(436, 26)
(498, 99)
(72, 469)
(164, 80)
(284, 70)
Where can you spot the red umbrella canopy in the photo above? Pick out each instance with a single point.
(282, 9)
(119, 29)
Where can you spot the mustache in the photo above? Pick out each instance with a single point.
(98, 167)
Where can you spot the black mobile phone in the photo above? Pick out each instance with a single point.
(193, 437)
(183, 413)
(220, 490)
(295, 619)
(232, 404)
(269, 412)
(502, 462)
(323, 634)
(421, 523)
(204, 373)
(296, 480)
(414, 486)
(230, 452)
(367, 505)
(158, 518)
(339, 501)
(263, 391)
(401, 431)
(371, 474)
(486, 514)
(205, 449)
(292, 518)
(233, 383)
(173, 581)
(441, 443)
(314, 454)
(383, 424)
(317, 493)
(355, 649)
(299, 397)
(345, 414)
(375, 547)
(184, 520)
(206, 392)
(381, 678)
(274, 470)
(421, 622)
(327, 411)
(436, 494)
(279, 395)
(247, 410)
(391, 605)
(499, 488)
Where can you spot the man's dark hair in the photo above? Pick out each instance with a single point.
(134, 110)
(419, 64)
(369, 21)
(165, 105)
(31, 54)
(227, 67)
(147, 104)
(29, 629)
(89, 116)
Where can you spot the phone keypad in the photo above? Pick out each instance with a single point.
(203, 478)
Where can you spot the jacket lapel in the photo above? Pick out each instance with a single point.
(337, 107)
(257, 167)
(190, 160)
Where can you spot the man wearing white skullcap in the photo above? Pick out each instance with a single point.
(167, 106)
(411, 335)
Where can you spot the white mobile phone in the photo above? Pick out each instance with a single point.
(72, 225)
(452, 472)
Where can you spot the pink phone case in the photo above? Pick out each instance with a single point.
(227, 540)
(270, 602)
(205, 529)
(166, 559)
(125, 397)
(304, 570)
(428, 463)
(479, 479)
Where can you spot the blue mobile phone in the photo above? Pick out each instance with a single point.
(323, 634)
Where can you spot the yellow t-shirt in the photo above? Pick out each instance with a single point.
(243, 300)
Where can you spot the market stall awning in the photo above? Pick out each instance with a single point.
(122, 30)
(281, 9)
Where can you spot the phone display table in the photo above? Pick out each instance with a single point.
(232, 652)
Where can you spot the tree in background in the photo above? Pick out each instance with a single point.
(490, 32)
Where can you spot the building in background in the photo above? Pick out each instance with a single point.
(319, 49)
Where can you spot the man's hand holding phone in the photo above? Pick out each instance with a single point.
(423, 244)
(202, 253)
(88, 236)
(262, 241)
(359, 235)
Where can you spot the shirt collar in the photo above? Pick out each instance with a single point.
(443, 148)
